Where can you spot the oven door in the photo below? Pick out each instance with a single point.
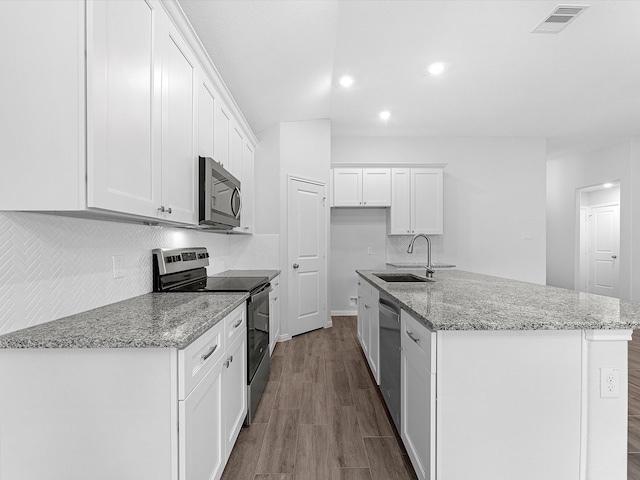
(257, 328)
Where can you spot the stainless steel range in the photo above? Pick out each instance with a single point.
(183, 270)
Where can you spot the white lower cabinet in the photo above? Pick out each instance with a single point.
(234, 392)
(274, 313)
(368, 325)
(418, 389)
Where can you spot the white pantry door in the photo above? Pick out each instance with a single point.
(604, 270)
(307, 256)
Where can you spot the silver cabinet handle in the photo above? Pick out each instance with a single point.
(413, 337)
(161, 208)
(210, 352)
(237, 324)
(227, 362)
(295, 265)
(168, 209)
(614, 256)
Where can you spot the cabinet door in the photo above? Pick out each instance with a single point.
(178, 129)
(124, 106)
(234, 391)
(235, 154)
(274, 313)
(374, 333)
(417, 415)
(376, 187)
(201, 436)
(207, 97)
(347, 187)
(361, 319)
(246, 215)
(426, 200)
(223, 135)
(400, 211)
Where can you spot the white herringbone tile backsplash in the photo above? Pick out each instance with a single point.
(53, 266)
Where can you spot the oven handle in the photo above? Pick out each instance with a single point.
(263, 292)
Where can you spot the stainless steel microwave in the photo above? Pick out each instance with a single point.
(219, 196)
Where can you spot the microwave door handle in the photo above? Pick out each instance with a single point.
(236, 193)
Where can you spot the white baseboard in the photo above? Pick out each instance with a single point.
(342, 313)
(284, 337)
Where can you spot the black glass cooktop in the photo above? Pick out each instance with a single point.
(224, 284)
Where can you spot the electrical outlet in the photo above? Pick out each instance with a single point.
(609, 383)
(353, 301)
(118, 266)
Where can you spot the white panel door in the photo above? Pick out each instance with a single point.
(376, 187)
(400, 211)
(604, 265)
(426, 201)
(124, 106)
(207, 97)
(347, 187)
(234, 391)
(179, 155)
(201, 438)
(307, 256)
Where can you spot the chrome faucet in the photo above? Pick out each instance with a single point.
(430, 271)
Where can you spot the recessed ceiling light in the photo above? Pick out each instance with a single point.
(607, 185)
(346, 81)
(436, 68)
(384, 115)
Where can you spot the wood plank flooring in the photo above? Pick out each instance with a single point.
(320, 417)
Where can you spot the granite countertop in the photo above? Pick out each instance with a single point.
(420, 265)
(271, 274)
(459, 300)
(154, 320)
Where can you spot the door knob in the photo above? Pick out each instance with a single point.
(614, 256)
(295, 265)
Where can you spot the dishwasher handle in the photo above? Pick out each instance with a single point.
(389, 309)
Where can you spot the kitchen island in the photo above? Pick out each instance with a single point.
(504, 379)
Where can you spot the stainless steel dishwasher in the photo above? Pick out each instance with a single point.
(390, 356)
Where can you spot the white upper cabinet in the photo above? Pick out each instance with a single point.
(179, 156)
(123, 123)
(247, 188)
(417, 201)
(119, 130)
(361, 187)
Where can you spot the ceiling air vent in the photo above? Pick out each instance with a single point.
(561, 16)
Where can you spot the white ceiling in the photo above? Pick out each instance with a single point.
(281, 60)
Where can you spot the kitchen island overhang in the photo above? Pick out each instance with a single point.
(518, 377)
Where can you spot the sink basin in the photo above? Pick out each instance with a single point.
(402, 277)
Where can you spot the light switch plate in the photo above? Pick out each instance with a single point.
(118, 266)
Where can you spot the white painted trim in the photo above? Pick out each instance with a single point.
(608, 335)
(584, 408)
(343, 313)
(284, 337)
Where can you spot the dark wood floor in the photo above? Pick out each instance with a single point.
(320, 417)
(633, 463)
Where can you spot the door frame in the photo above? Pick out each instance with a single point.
(290, 303)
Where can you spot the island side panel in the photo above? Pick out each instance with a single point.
(605, 432)
(509, 405)
(88, 413)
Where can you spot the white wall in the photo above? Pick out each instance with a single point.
(564, 176)
(266, 179)
(353, 231)
(53, 266)
(494, 191)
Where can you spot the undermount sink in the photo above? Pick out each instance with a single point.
(402, 277)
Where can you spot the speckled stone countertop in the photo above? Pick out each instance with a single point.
(154, 320)
(420, 265)
(459, 300)
(271, 274)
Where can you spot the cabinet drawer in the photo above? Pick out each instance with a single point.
(418, 339)
(235, 324)
(197, 359)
